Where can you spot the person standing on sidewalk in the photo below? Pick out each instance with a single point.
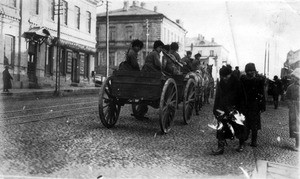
(229, 95)
(254, 88)
(276, 91)
(292, 96)
(6, 80)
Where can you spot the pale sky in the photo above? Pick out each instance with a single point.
(243, 27)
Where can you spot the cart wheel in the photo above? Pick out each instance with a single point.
(189, 100)
(109, 110)
(139, 110)
(167, 105)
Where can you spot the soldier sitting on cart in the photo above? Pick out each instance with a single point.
(152, 61)
(196, 64)
(131, 61)
(187, 62)
(168, 62)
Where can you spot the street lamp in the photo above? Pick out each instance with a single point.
(107, 40)
(147, 35)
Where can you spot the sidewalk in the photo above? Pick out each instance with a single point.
(266, 169)
(27, 94)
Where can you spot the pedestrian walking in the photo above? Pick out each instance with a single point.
(236, 72)
(255, 104)
(292, 97)
(131, 61)
(6, 80)
(276, 90)
(229, 95)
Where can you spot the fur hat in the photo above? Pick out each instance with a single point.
(158, 43)
(224, 71)
(198, 55)
(250, 67)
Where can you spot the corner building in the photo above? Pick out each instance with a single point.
(130, 23)
(30, 43)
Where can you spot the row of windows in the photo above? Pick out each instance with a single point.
(171, 37)
(9, 50)
(64, 10)
(128, 33)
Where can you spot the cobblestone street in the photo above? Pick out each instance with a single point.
(79, 146)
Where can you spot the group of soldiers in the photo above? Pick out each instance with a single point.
(173, 64)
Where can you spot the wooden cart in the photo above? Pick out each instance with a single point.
(142, 89)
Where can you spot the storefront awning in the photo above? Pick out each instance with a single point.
(36, 34)
(75, 46)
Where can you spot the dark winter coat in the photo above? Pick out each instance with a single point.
(292, 95)
(131, 62)
(6, 79)
(255, 100)
(228, 95)
(152, 62)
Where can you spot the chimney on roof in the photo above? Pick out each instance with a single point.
(200, 37)
(143, 4)
(125, 8)
(155, 8)
(179, 22)
(213, 40)
(133, 3)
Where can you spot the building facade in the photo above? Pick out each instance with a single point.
(29, 41)
(211, 53)
(130, 23)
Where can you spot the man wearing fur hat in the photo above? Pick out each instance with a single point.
(255, 105)
(229, 95)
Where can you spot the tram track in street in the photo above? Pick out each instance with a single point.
(49, 114)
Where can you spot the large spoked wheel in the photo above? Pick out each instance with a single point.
(189, 100)
(109, 109)
(139, 110)
(167, 105)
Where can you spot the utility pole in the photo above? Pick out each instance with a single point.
(107, 40)
(57, 73)
(265, 58)
(232, 34)
(147, 36)
(268, 59)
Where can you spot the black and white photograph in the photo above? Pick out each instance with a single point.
(96, 89)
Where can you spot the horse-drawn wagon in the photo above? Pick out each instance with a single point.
(142, 89)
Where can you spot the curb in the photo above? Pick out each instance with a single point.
(31, 95)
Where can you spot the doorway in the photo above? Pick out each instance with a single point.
(74, 72)
(31, 65)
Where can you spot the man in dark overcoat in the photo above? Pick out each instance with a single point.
(6, 80)
(229, 94)
(276, 90)
(254, 88)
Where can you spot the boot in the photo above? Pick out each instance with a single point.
(254, 139)
(275, 104)
(220, 149)
(241, 146)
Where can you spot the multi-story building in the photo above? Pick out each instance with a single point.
(134, 22)
(29, 41)
(211, 53)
